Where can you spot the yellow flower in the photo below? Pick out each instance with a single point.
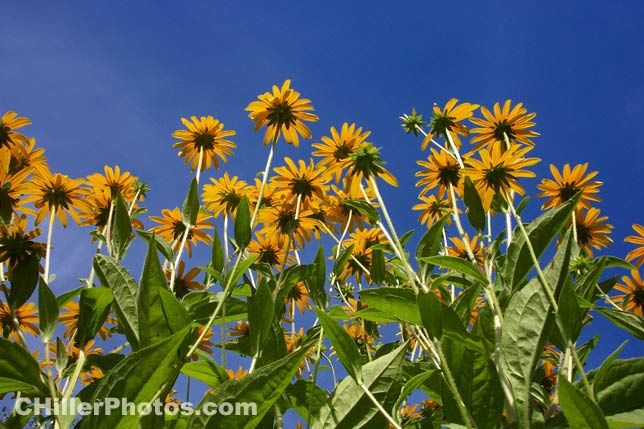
(171, 228)
(224, 194)
(458, 249)
(449, 118)
(185, 283)
(113, 182)
(281, 220)
(439, 171)
(69, 319)
(633, 297)
(16, 243)
(26, 316)
(9, 123)
(335, 150)
(339, 207)
(270, 249)
(299, 296)
(567, 184)
(432, 209)
(55, 193)
(592, 231)
(303, 180)
(498, 171)
(511, 123)
(282, 112)
(12, 186)
(27, 157)
(637, 254)
(269, 197)
(358, 333)
(363, 241)
(205, 133)
(206, 345)
(241, 329)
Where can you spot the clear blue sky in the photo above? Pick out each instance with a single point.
(106, 83)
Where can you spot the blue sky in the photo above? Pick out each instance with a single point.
(107, 82)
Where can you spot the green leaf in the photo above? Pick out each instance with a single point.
(570, 316)
(454, 329)
(124, 288)
(527, 324)
(64, 298)
(200, 306)
(601, 372)
(205, 370)
(541, 231)
(241, 269)
(378, 269)
(364, 208)
(260, 316)
(430, 245)
(305, 397)
(579, 410)
(122, 229)
(487, 397)
(396, 302)
(627, 321)
(619, 392)
(140, 377)
(343, 344)
(263, 387)
(317, 279)
(472, 199)
(342, 260)
(24, 278)
(19, 372)
(217, 254)
(95, 304)
(190, 208)
(242, 223)
(162, 245)
(457, 264)
(431, 313)
(153, 325)
(176, 316)
(47, 311)
(410, 386)
(349, 407)
(61, 355)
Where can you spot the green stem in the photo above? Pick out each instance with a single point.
(380, 408)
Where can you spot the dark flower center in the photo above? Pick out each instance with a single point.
(442, 123)
(268, 255)
(57, 197)
(503, 129)
(205, 141)
(4, 135)
(342, 152)
(287, 223)
(567, 191)
(302, 186)
(498, 177)
(178, 229)
(449, 175)
(638, 297)
(281, 114)
(584, 234)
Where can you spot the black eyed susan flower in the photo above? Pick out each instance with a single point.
(113, 182)
(632, 297)
(511, 123)
(270, 249)
(224, 194)
(282, 112)
(206, 345)
(366, 163)
(299, 296)
(567, 184)
(449, 119)
(185, 282)
(459, 249)
(498, 171)
(362, 241)
(17, 244)
(241, 329)
(171, 228)
(335, 150)
(96, 210)
(592, 230)
(26, 157)
(55, 193)
(237, 375)
(340, 205)
(282, 220)
(636, 255)
(269, 196)
(440, 170)
(205, 134)
(302, 180)
(9, 123)
(27, 320)
(432, 209)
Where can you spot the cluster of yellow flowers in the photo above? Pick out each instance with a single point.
(303, 199)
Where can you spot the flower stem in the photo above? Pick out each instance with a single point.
(380, 408)
(50, 230)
